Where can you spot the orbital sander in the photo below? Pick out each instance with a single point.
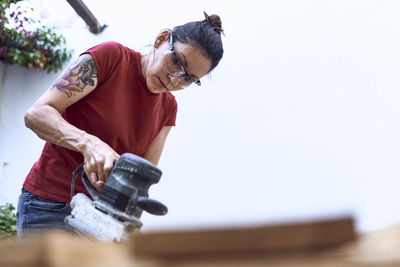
(115, 212)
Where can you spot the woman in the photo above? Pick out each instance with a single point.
(112, 100)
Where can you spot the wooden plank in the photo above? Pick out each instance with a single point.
(61, 249)
(265, 239)
(378, 246)
(371, 249)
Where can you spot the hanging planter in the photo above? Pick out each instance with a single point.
(26, 41)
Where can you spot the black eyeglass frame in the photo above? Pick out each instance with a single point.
(172, 48)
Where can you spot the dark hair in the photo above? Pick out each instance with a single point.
(206, 34)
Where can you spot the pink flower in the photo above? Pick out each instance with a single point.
(3, 51)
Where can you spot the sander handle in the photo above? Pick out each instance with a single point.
(152, 206)
(89, 187)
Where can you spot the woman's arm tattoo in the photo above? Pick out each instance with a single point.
(80, 75)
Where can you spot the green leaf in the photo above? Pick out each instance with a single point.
(8, 221)
(22, 47)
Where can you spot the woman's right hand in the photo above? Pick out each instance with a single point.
(99, 159)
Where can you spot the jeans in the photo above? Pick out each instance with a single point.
(36, 214)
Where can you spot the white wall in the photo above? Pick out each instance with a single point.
(300, 120)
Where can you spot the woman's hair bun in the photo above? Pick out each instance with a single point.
(214, 21)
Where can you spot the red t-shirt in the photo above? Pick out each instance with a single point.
(121, 111)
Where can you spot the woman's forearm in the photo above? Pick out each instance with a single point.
(50, 126)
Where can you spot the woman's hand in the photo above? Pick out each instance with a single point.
(99, 159)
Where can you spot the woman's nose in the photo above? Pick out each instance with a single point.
(174, 80)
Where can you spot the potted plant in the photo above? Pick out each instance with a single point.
(27, 41)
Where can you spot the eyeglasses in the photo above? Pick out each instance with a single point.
(175, 67)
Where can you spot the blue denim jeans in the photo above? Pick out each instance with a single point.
(36, 214)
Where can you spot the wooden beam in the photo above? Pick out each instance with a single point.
(84, 12)
(265, 239)
(61, 249)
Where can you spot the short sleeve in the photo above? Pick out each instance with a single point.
(106, 56)
(172, 114)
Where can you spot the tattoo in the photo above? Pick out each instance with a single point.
(77, 77)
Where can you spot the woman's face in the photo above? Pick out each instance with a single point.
(164, 71)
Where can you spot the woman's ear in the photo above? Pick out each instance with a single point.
(161, 38)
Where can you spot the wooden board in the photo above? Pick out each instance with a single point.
(272, 239)
(307, 244)
(62, 249)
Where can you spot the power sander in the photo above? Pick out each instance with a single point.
(115, 213)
